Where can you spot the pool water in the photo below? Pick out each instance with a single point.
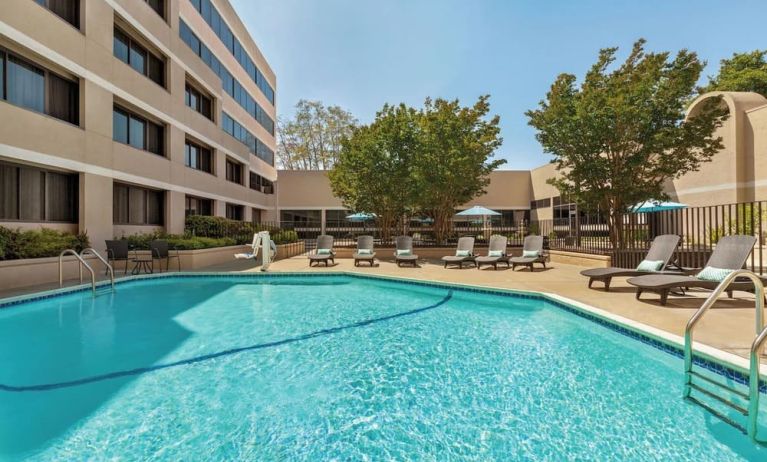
(313, 368)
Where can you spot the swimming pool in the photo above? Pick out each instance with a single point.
(336, 367)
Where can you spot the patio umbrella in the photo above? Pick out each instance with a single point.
(656, 206)
(361, 217)
(479, 211)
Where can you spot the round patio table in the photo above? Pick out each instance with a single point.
(145, 264)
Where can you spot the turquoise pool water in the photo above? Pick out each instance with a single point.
(336, 368)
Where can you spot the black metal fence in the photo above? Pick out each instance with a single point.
(700, 228)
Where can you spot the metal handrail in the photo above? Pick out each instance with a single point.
(80, 267)
(92, 251)
(761, 337)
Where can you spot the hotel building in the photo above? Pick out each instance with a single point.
(124, 116)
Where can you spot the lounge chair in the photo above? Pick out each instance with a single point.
(118, 250)
(324, 252)
(464, 253)
(532, 252)
(496, 252)
(404, 251)
(661, 251)
(161, 251)
(730, 253)
(364, 251)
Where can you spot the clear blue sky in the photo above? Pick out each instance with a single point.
(360, 54)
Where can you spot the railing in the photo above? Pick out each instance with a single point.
(80, 267)
(110, 270)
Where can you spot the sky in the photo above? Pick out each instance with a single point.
(361, 54)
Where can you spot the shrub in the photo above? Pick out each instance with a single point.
(180, 242)
(219, 227)
(284, 236)
(38, 243)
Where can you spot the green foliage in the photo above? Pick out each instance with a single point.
(427, 160)
(175, 241)
(39, 243)
(746, 221)
(311, 140)
(621, 135)
(218, 227)
(284, 236)
(742, 72)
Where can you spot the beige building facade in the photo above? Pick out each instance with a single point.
(738, 173)
(124, 116)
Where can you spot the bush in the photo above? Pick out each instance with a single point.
(220, 227)
(141, 241)
(285, 236)
(38, 243)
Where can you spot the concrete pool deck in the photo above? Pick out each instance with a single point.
(729, 326)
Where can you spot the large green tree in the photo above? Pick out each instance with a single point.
(455, 157)
(621, 134)
(742, 72)
(373, 170)
(311, 139)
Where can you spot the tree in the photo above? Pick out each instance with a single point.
(311, 140)
(373, 168)
(742, 72)
(454, 159)
(619, 136)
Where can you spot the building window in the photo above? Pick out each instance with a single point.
(27, 85)
(31, 194)
(540, 204)
(198, 157)
(235, 212)
(198, 206)
(255, 216)
(259, 183)
(233, 171)
(211, 15)
(301, 217)
(133, 205)
(68, 10)
(256, 146)
(198, 101)
(136, 131)
(138, 57)
(158, 6)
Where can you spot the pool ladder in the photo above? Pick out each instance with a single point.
(694, 380)
(83, 263)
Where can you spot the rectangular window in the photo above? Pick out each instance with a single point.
(198, 101)
(134, 205)
(158, 6)
(235, 212)
(68, 10)
(301, 217)
(256, 146)
(25, 84)
(198, 206)
(136, 131)
(233, 171)
(31, 194)
(198, 157)
(127, 50)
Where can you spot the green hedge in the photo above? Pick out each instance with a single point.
(242, 232)
(38, 243)
(141, 241)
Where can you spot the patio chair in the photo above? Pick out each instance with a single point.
(532, 252)
(403, 252)
(324, 252)
(464, 253)
(364, 251)
(730, 254)
(496, 252)
(657, 260)
(118, 250)
(161, 251)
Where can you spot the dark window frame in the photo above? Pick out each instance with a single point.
(146, 207)
(202, 98)
(234, 171)
(44, 206)
(76, 18)
(235, 212)
(151, 60)
(159, 6)
(160, 128)
(201, 152)
(199, 201)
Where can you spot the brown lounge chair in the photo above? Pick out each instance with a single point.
(731, 253)
(364, 251)
(497, 244)
(465, 245)
(405, 243)
(324, 243)
(661, 249)
(531, 244)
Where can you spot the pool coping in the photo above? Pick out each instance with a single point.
(729, 365)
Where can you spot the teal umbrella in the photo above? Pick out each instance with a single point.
(656, 206)
(361, 217)
(478, 211)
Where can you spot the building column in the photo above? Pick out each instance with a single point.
(175, 212)
(95, 209)
(323, 222)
